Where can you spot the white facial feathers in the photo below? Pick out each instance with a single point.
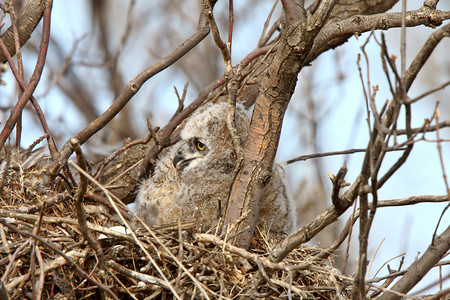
(193, 179)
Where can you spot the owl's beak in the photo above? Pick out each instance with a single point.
(177, 159)
(180, 161)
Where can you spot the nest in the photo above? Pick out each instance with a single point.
(47, 252)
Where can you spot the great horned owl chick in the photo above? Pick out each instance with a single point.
(193, 179)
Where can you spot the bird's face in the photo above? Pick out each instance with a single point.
(206, 145)
(190, 154)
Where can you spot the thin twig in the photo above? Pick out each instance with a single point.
(203, 237)
(444, 174)
(19, 64)
(429, 92)
(133, 234)
(131, 89)
(137, 275)
(420, 267)
(264, 38)
(349, 151)
(55, 249)
(35, 78)
(180, 99)
(347, 229)
(231, 75)
(79, 196)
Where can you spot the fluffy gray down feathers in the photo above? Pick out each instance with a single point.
(192, 180)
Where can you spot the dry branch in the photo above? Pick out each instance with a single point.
(182, 264)
(131, 89)
(419, 268)
(17, 111)
(54, 248)
(275, 92)
(337, 33)
(26, 23)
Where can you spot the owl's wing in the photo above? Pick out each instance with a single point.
(278, 210)
(156, 198)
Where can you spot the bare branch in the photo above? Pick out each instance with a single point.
(413, 200)
(27, 22)
(15, 114)
(332, 33)
(79, 197)
(55, 249)
(425, 53)
(308, 231)
(22, 85)
(132, 88)
(419, 268)
(338, 184)
(275, 91)
(344, 152)
(427, 93)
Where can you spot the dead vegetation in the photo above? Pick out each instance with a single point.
(62, 223)
(44, 250)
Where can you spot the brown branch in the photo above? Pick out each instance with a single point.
(22, 85)
(308, 231)
(401, 160)
(116, 153)
(12, 258)
(419, 268)
(203, 237)
(55, 249)
(131, 89)
(79, 197)
(405, 83)
(337, 33)
(180, 99)
(230, 23)
(14, 24)
(421, 58)
(40, 284)
(427, 93)
(56, 199)
(137, 275)
(430, 3)
(265, 37)
(349, 151)
(369, 171)
(275, 92)
(294, 10)
(381, 204)
(110, 197)
(378, 142)
(338, 184)
(358, 290)
(231, 75)
(26, 23)
(388, 279)
(17, 110)
(424, 129)
(216, 35)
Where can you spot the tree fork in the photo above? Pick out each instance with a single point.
(276, 89)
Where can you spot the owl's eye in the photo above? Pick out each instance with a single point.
(200, 146)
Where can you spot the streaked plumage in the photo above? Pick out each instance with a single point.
(194, 177)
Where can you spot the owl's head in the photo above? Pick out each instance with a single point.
(206, 141)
